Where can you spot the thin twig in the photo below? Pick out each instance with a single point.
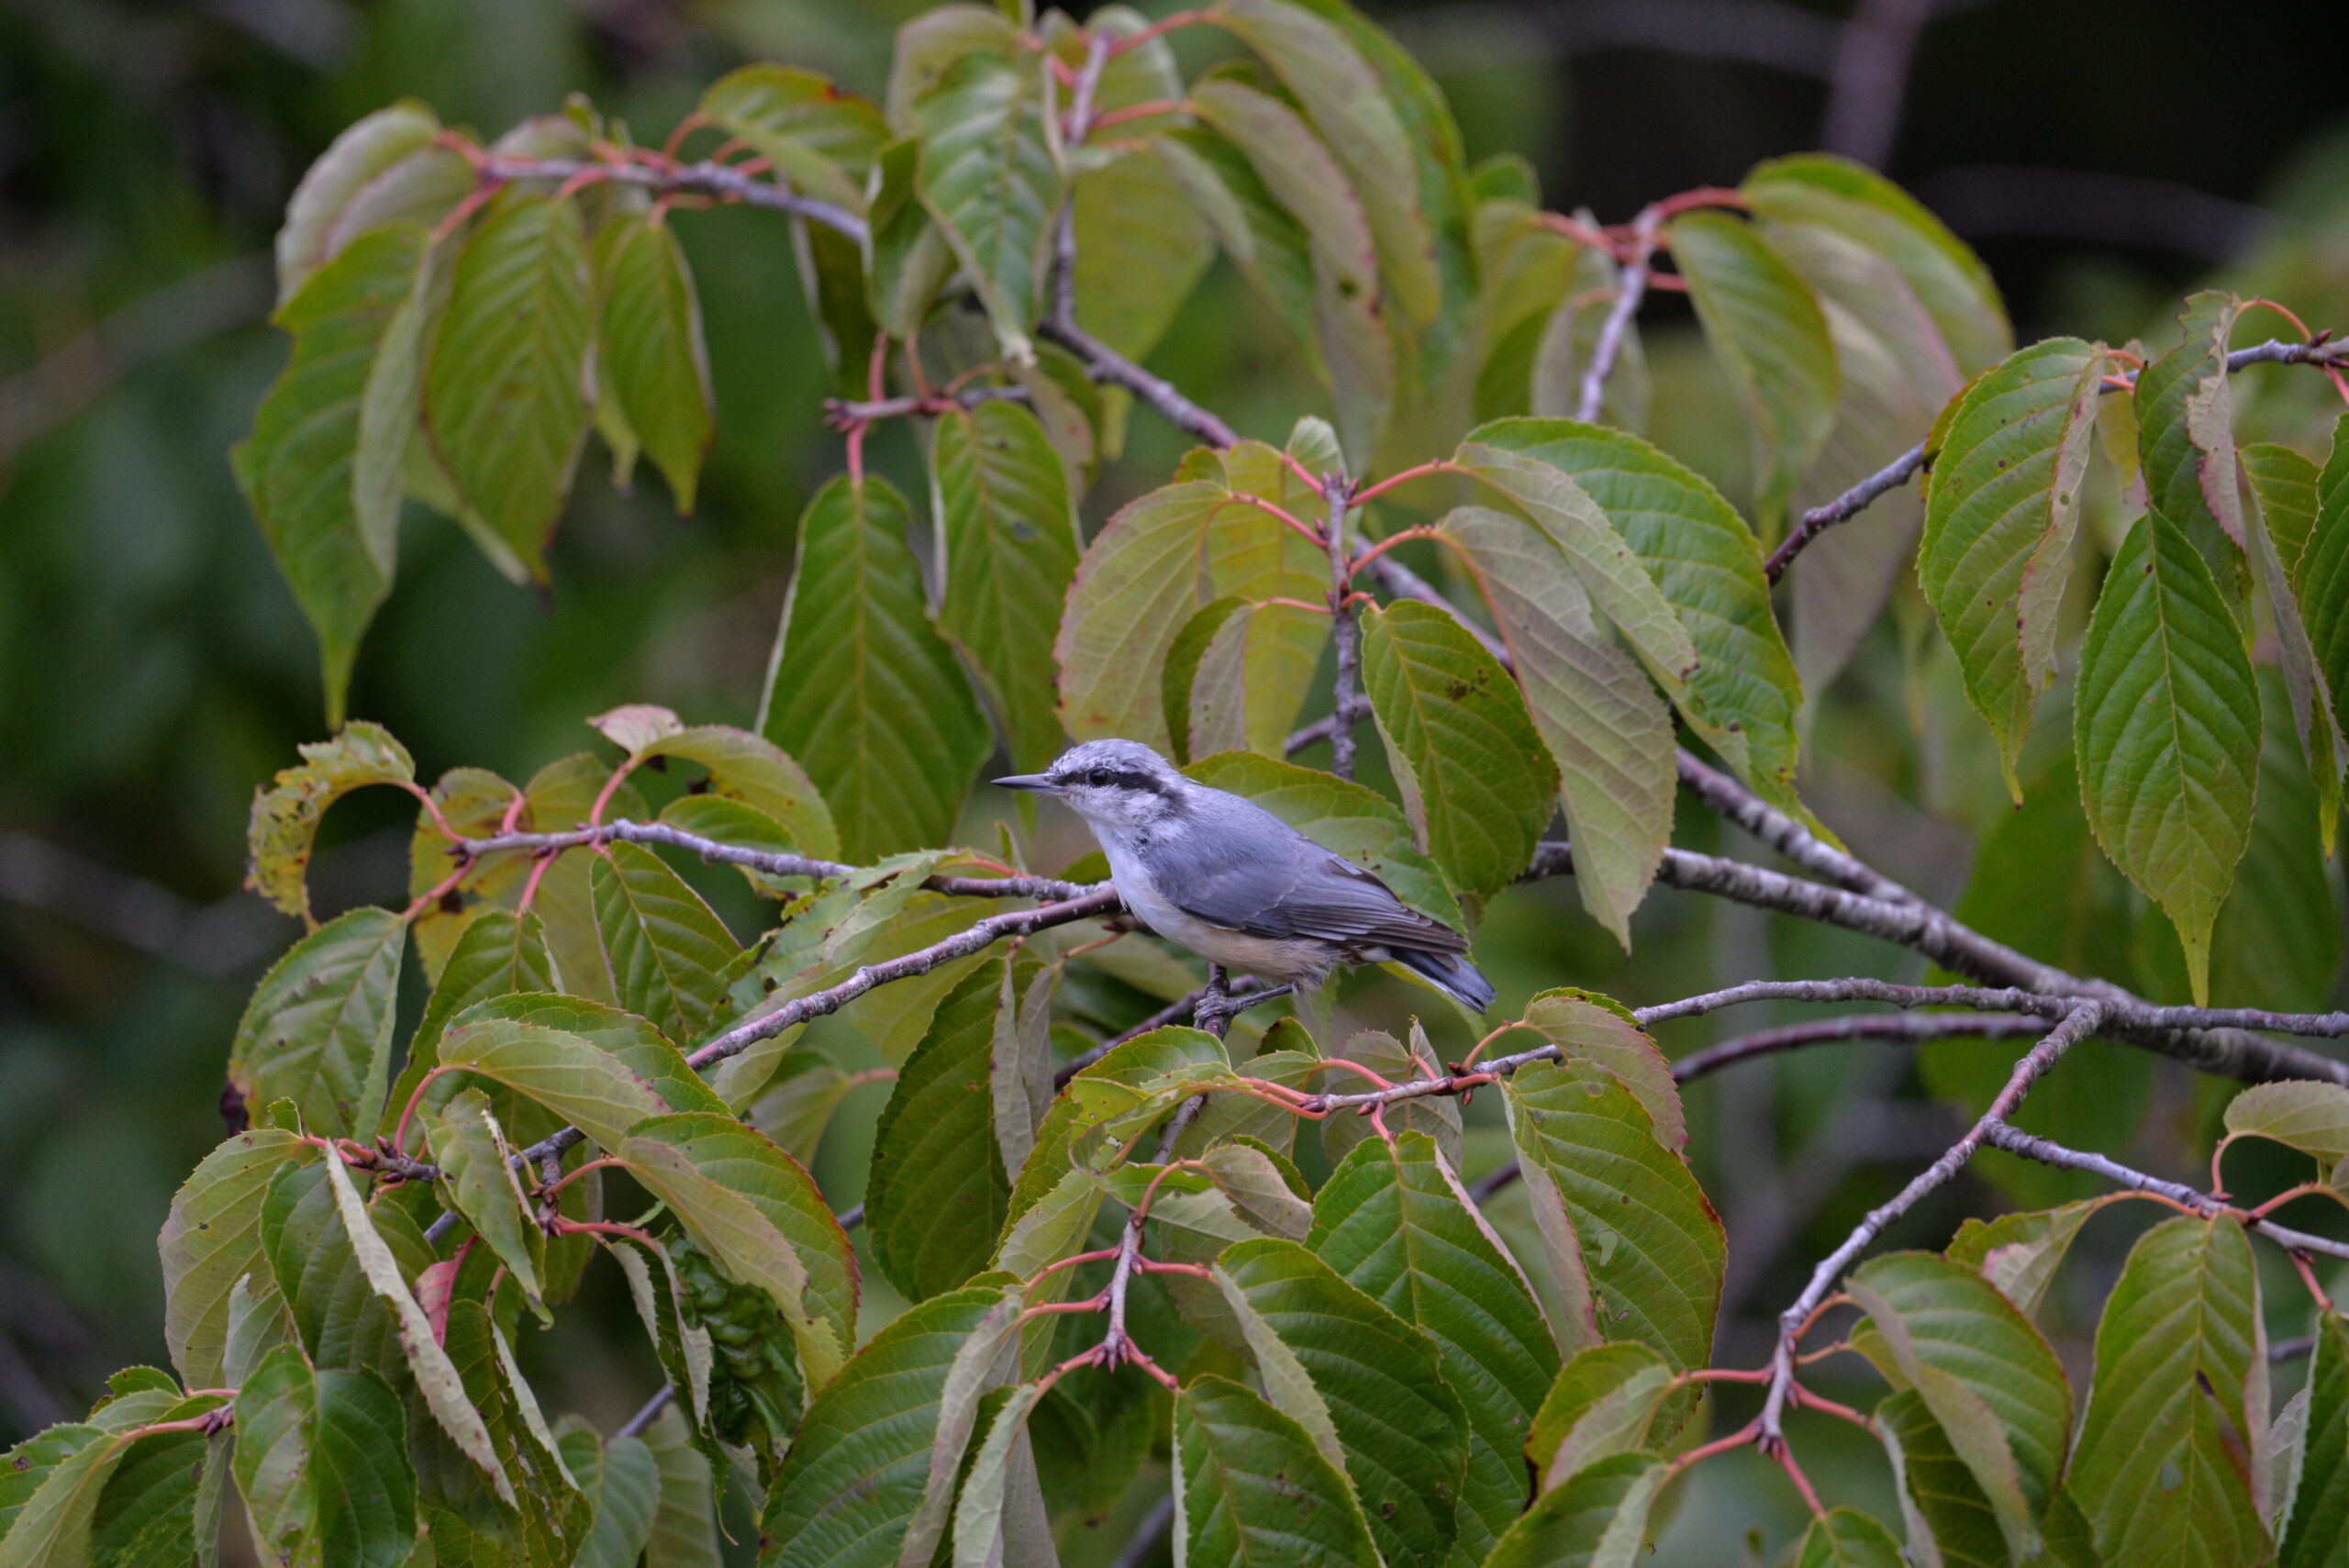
(638, 1423)
(1344, 630)
(1154, 1526)
(1630, 287)
(705, 179)
(1908, 1028)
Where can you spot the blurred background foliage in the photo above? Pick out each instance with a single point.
(2105, 156)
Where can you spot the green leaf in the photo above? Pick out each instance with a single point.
(1846, 1538)
(1072, 1121)
(1743, 695)
(684, 1519)
(1149, 569)
(1252, 677)
(553, 1523)
(2305, 689)
(856, 1470)
(505, 396)
(1000, 1488)
(2166, 725)
(1984, 1372)
(938, 1193)
(2186, 425)
(318, 1028)
(2286, 483)
(1351, 107)
(1601, 1404)
(499, 954)
(321, 1458)
(1475, 780)
(1999, 514)
(2322, 576)
(1947, 278)
(2018, 1252)
(650, 353)
(437, 1377)
(668, 953)
(316, 1292)
(385, 167)
(53, 1522)
(2310, 1118)
(1394, 1222)
(894, 765)
(1301, 171)
(754, 772)
(1636, 1249)
(1341, 815)
(211, 1239)
(632, 1041)
(1766, 330)
(819, 137)
(1605, 730)
(1587, 1027)
(980, 1368)
(146, 1514)
(2317, 1518)
(1938, 1491)
(1369, 1376)
(572, 1077)
(1141, 247)
(283, 828)
(296, 468)
(2178, 1356)
(988, 177)
(622, 1481)
(759, 1213)
(1438, 1116)
(807, 1088)
(470, 1149)
(1251, 1489)
(1011, 544)
(1597, 1520)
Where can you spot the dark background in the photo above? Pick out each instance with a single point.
(2105, 156)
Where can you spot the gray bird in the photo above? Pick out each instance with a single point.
(1239, 887)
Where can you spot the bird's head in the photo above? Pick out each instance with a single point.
(1111, 784)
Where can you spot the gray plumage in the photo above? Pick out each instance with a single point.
(1235, 883)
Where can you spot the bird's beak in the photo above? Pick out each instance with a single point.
(1037, 784)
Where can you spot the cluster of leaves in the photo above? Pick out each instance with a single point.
(1355, 1368)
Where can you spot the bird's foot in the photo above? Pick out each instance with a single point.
(1213, 1008)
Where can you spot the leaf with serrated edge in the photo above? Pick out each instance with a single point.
(1597, 1520)
(1765, 328)
(822, 139)
(651, 355)
(1999, 520)
(1846, 1538)
(2018, 1252)
(284, 823)
(668, 952)
(336, 189)
(437, 1378)
(1600, 1405)
(2312, 1117)
(211, 1240)
(685, 1519)
(1252, 1490)
(2185, 422)
(1393, 1425)
(52, 1526)
(2315, 1514)
(1585, 1025)
(1008, 533)
(982, 1512)
(622, 1480)
(1607, 730)
(2165, 727)
(856, 1470)
(895, 765)
(571, 1077)
(1476, 779)
(939, 1192)
(2179, 1355)
(2305, 683)
(1637, 1249)
(318, 1028)
(472, 1151)
(988, 178)
(321, 1458)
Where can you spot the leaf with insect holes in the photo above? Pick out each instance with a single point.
(2165, 727)
(1011, 543)
(211, 1240)
(895, 765)
(2179, 1358)
(856, 1472)
(1252, 1490)
(504, 395)
(318, 1028)
(1607, 730)
(1477, 782)
(939, 1194)
(1999, 516)
(653, 357)
(284, 828)
(297, 468)
(1766, 330)
(1597, 1520)
(1394, 1221)
(1636, 1249)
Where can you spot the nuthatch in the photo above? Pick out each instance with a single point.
(1239, 887)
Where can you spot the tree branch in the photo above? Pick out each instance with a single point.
(1630, 287)
(705, 179)
(1344, 630)
(2076, 1025)
(1912, 1028)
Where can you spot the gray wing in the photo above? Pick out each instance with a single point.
(1262, 877)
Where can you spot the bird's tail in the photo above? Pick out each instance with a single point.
(1451, 973)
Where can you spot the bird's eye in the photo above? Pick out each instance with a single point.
(1099, 778)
